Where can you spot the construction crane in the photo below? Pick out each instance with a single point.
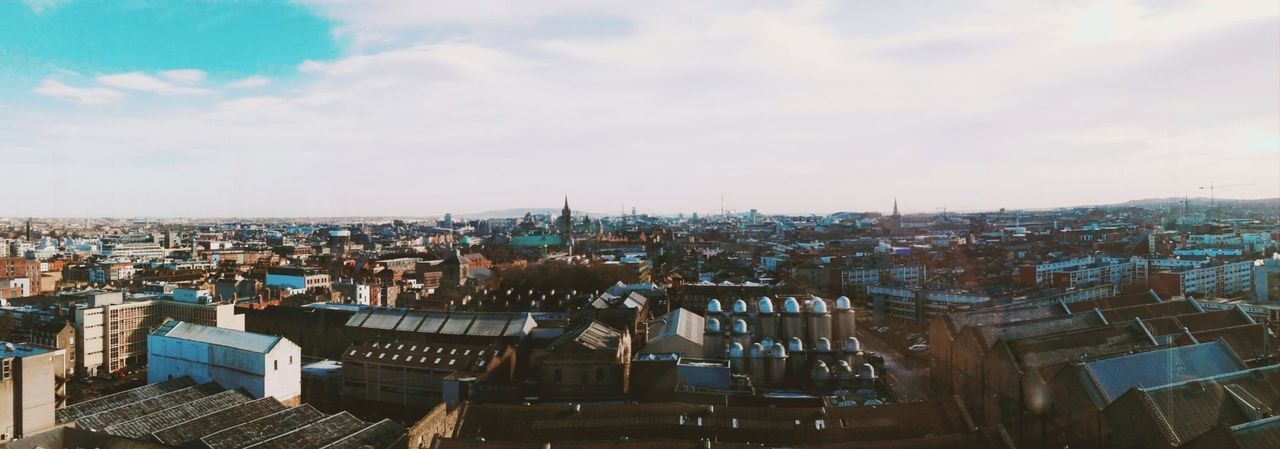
(1212, 197)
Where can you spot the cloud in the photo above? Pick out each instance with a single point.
(86, 95)
(251, 82)
(41, 6)
(138, 81)
(184, 76)
(808, 106)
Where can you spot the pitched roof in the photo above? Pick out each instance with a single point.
(993, 333)
(1107, 379)
(219, 336)
(1191, 408)
(593, 335)
(680, 323)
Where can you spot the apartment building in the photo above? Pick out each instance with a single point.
(1216, 279)
(111, 333)
(919, 305)
(32, 386)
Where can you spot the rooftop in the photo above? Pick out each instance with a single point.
(219, 336)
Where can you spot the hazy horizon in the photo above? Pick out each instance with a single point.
(330, 108)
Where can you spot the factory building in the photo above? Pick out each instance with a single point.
(262, 365)
(788, 348)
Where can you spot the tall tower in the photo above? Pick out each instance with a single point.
(566, 225)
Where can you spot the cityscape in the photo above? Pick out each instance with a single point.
(415, 224)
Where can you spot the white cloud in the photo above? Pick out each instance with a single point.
(87, 95)
(41, 6)
(806, 107)
(251, 82)
(142, 82)
(184, 76)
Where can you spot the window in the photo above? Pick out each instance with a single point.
(275, 364)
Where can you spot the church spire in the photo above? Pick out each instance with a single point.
(895, 206)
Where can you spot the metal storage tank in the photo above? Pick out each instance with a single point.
(776, 365)
(739, 307)
(844, 321)
(792, 320)
(851, 350)
(741, 334)
(820, 374)
(755, 364)
(822, 351)
(798, 361)
(866, 373)
(736, 364)
(843, 374)
(713, 308)
(819, 321)
(766, 319)
(713, 340)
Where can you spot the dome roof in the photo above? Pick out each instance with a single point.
(713, 306)
(820, 371)
(766, 342)
(795, 345)
(790, 305)
(823, 345)
(766, 305)
(739, 326)
(852, 344)
(735, 350)
(842, 303)
(713, 325)
(817, 305)
(757, 350)
(777, 351)
(739, 306)
(842, 370)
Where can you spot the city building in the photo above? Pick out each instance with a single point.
(589, 360)
(1216, 279)
(1266, 280)
(261, 365)
(405, 380)
(298, 278)
(111, 333)
(32, 386)
(917, 304)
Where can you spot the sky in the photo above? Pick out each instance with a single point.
(421, 107)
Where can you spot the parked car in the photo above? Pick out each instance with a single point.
(918, 347)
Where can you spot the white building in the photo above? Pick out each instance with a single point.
(263, 365)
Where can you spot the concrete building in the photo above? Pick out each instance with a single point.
(262, 365)
(297, 278)
(111, 333)
(589, 360)
(919, 305)
(404, 380)
(32, 386)
(1266, 280)
(1218, 279)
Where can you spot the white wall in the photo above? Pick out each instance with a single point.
(277, 373)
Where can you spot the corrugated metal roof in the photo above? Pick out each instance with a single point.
(92, 406)
(230, 338)
(263, 428)
(432, 323)
(187, 432)
(1107, 379)
(143, 426)
(384, 319)
(488, 325)
(411, 321)
(457, 324)
(358, 319)
(378, 436)
(316, 434)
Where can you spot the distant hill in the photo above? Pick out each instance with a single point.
(1195, 201)
(520, 212)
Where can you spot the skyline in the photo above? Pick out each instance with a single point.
(339, 108)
